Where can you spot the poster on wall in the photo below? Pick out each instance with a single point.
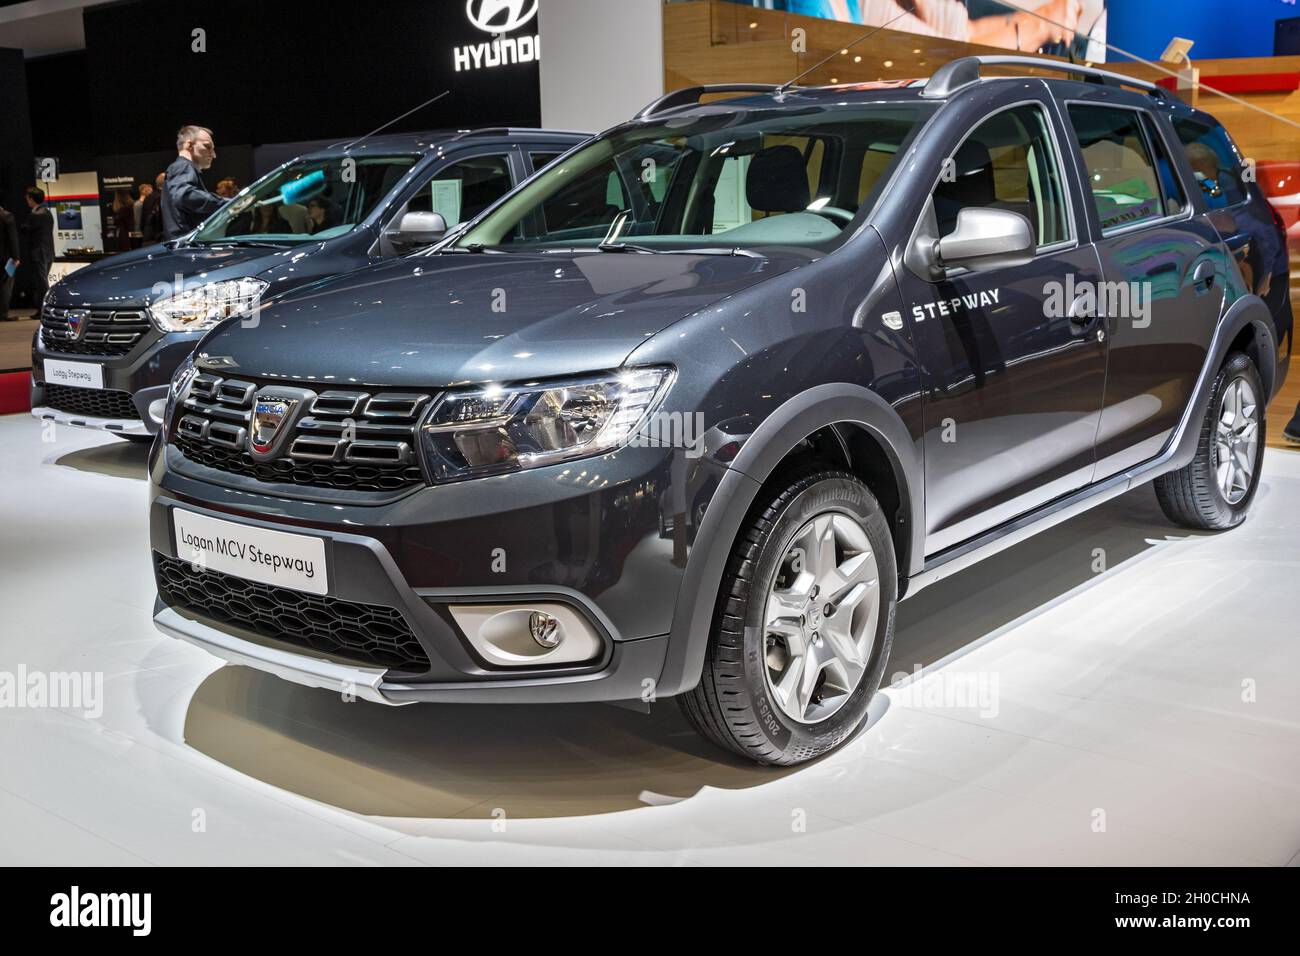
(73, 200)
(76, 225)
(1060, 27)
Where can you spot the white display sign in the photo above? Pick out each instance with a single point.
(76, 374)
(294, 561)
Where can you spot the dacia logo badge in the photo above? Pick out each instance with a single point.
(77, 320)
(268, 415)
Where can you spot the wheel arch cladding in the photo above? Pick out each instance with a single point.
(866, 426)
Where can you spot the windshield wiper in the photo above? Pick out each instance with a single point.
(626, 247)
(239, 241)
(474, 247)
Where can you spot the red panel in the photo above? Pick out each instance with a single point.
(1253, 82)
(15, 392)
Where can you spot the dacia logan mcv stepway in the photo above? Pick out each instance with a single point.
(689, 412)
(112, 334)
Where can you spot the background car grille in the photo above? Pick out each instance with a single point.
(365, 633)
(107, 331)
(347, 439)
(92, 402)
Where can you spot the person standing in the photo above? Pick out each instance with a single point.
(151, 227)
(9, 260)
(186, 202)
(37, 239)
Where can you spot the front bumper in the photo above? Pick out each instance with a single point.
(585, 534)
(144, 374)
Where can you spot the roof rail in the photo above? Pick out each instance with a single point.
(956, 74)
(692, 94)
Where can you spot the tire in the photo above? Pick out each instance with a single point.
(737, 704)
(1194, 496)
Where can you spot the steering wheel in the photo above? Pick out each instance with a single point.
(834, 213)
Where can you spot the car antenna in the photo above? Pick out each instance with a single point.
(395, 119)
(840, 52)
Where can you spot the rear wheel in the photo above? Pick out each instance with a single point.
(804, 623)
(1215, 489)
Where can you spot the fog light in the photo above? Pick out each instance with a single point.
(545, 629)
(528, 635)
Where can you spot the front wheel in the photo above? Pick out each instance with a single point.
(804, 623)
(1215, 489)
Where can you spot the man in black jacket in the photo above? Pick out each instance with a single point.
(186, 201)
(9, 259)
(37, 240)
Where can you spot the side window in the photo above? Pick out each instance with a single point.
(1215, 162)
(464, 189)
(543, 159)
(1007, 163)
(1117, 160)
(1170, 187)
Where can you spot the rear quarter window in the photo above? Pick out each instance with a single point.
(1215, 162)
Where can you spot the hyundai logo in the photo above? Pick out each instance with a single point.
(500, 16)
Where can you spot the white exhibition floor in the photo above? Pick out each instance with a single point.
(1115, 730)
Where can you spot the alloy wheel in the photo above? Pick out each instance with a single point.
(820, 617)
(1235, 440)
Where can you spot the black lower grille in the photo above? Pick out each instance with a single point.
(91, 402)
(365, 633)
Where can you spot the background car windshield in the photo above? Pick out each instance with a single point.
(760, 178)
(308, 200)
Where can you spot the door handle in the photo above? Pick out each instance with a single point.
(1080, 315)
(1203, 276)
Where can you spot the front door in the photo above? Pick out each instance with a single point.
(1014, 364)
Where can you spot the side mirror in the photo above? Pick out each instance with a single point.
(987, 239)
(419, 229)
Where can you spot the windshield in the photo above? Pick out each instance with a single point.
(732, 180)
(307, 200)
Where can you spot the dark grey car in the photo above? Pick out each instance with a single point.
(112, 334)
(689, 412)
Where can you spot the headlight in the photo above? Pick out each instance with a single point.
(176, 393)
(203, 306)
(508, 427)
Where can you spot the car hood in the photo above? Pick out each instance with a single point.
(128, 279)
(433, 321)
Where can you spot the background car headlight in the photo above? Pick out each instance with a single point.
(203, 306)
(176, 393)
(504, 428)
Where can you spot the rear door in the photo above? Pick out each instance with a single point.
(1164, 271)
(1016, 371)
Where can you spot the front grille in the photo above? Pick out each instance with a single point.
(355, 440)
(364, 633)
(82, 331)
(91, 402)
